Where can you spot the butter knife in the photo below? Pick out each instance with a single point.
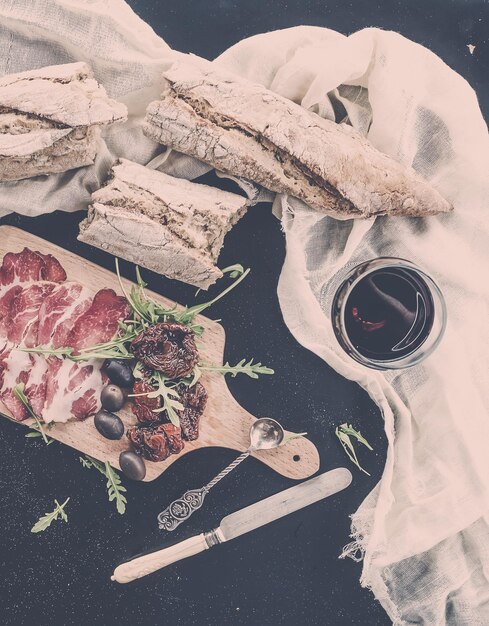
(238, 523)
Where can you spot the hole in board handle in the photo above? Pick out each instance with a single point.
(296, 458)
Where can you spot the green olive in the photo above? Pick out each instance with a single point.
(113, 398)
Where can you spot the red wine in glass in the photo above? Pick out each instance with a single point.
(386, 312)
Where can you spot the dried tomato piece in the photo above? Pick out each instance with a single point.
(167, 347)
(143, 406)
(174, 436)
(155, 442)
(194, 400)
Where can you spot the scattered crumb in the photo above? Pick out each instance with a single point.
(471, 48)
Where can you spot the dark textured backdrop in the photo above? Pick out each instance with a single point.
(284, 574)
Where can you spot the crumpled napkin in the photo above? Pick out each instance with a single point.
(424, 528)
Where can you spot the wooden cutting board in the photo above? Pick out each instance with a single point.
(225, 423)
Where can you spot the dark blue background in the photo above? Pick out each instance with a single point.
(284, 574)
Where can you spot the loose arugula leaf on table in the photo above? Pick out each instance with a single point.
(18, 392)
(46, 520)
(344, 432)
(114, 487)
(253, 370)
(234, 271)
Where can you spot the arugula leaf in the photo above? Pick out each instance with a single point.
(114, 487)
(290, 437)
(234, 270)
(164, 388)
(115, 349)
(37, 425)
(189, 313)
(253, 370)
(46, 520)
(344, 432)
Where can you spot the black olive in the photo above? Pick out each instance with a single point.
(113, 398)
(109, 425)
(132, 465)
(119, 372)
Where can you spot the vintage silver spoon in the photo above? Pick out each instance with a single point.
(265, 434)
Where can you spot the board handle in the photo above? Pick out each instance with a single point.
(149, 563)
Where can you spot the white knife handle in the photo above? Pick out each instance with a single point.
(149, 563)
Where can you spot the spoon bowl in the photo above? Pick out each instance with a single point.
(265, 434)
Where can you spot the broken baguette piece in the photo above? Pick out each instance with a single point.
(169, 225)
(246, 130)
(50, 120)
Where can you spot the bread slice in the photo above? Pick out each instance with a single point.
(169, 225)
(50, 120)
(246, 130)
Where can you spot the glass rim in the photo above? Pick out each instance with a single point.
(408, 360)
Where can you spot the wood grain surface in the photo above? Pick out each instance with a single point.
(225, 423)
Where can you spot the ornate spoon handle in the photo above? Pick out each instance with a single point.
(182, 508)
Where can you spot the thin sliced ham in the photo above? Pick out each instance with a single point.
(14, 370)
(28, 266)
(73, 390)
(59, 312)
(100, 322)
(23, 320)
(7, 296)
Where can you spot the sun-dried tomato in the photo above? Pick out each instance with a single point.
(155, 442)
(194, 400)
(167, 347)
(143, 407)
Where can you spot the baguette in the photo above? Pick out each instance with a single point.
(169, 225)
(246, 130)
(50, 120)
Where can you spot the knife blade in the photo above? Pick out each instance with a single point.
(238, 523)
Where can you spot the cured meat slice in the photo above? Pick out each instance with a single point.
(59, 312)
(7, 296)
(73, 390)
(23, 320)
(31, 370)
(29, 266)
(9, 378)
(100, 322)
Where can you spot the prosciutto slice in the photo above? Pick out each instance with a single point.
(59, 312)
(7, 296)
(73, 390)
(23, 319)
(100, 322)
(31, 370)
(29, 266)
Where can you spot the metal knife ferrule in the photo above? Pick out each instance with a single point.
(214, 537)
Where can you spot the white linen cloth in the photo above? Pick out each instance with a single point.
(424, 528)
